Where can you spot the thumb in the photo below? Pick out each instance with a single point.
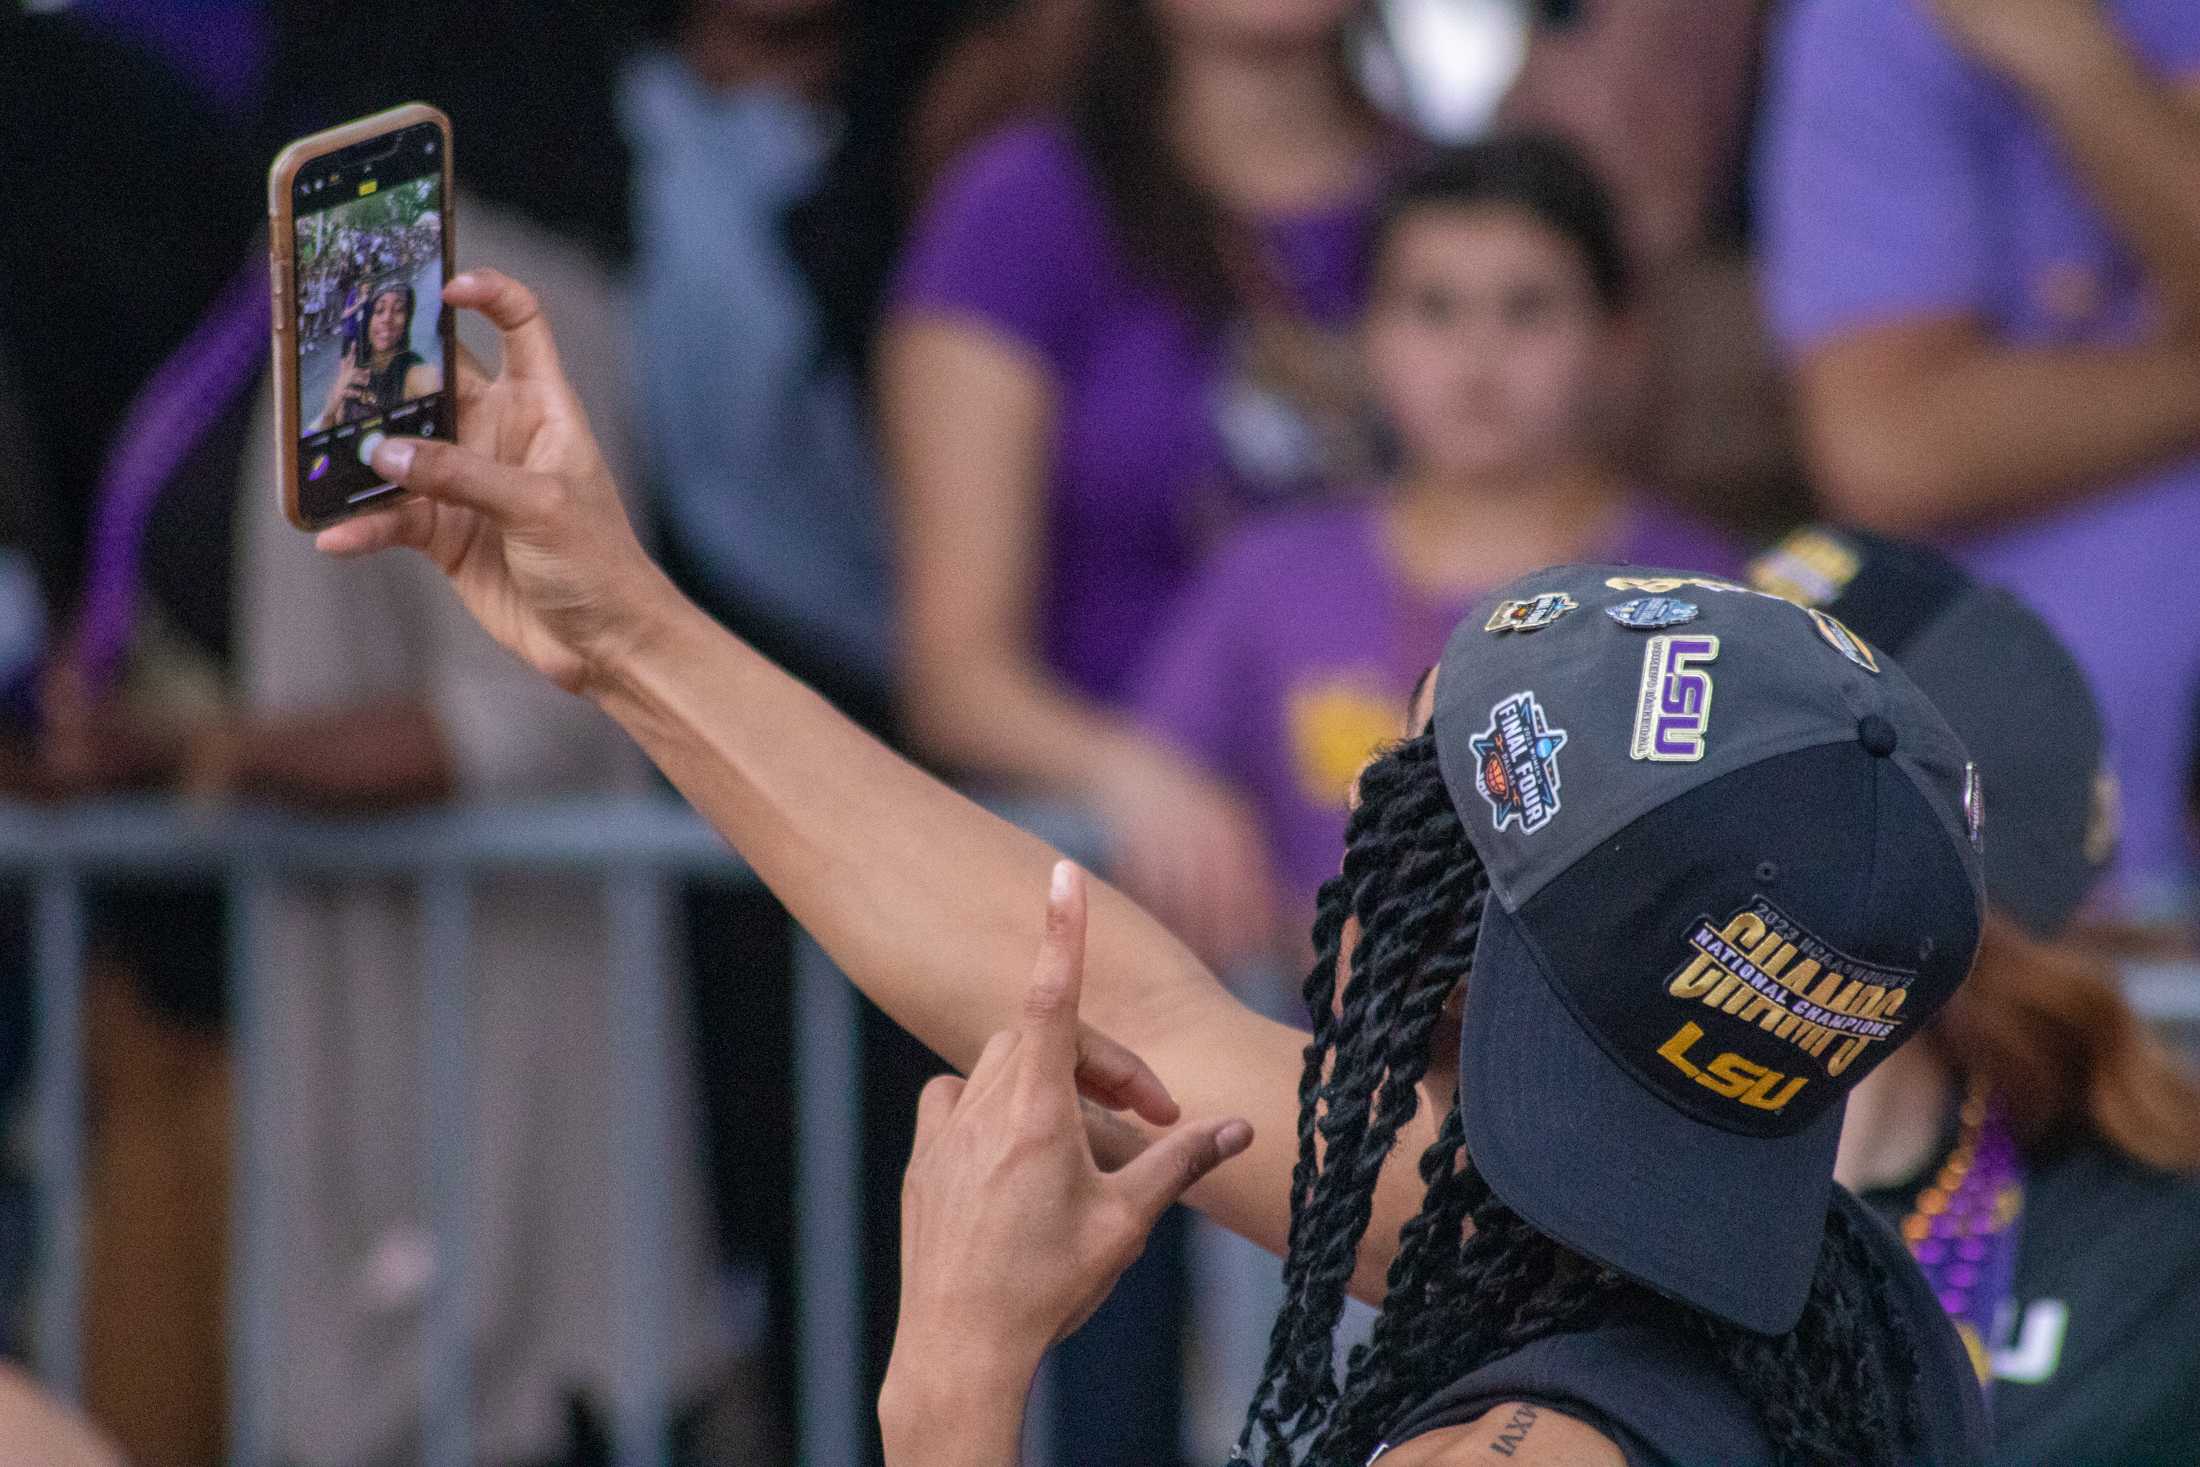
(450, 474)
(1176, 1163)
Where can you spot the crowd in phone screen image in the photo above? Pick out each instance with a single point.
(369, 294)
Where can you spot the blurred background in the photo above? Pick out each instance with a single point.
(1112, 403)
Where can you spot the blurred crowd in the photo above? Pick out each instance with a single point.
(1112, 401)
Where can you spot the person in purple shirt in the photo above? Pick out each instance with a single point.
(1499, 296)
(1982, 248)
(1119, 329)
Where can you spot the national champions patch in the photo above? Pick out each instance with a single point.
(1767, 1003)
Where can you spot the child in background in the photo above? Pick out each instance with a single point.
(1497, 317)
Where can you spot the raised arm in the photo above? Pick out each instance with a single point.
(968, 420)
(1879, 226)
(2133, 137)
(1922, 426)
(923, 898)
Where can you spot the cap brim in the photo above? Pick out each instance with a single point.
(1726, 1223)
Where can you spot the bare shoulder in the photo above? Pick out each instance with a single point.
(1516, 1433)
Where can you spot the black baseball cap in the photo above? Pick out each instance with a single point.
(1731, 866)
(2006, 685)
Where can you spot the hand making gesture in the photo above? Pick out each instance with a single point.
(1011, 1234)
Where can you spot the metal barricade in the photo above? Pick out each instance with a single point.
(636, 847)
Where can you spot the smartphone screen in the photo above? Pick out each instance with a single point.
(371, 327)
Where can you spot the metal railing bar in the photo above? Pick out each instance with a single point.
(641, 1040)
(161, 837)
(446, 1354)
(830, 1407)
(61, 1120)
(256, 1191)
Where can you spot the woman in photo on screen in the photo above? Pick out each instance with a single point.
(384, 371)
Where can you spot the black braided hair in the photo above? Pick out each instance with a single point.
(1472, 1281)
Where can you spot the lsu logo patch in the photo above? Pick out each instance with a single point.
(1842, 640)
(1516, 764)
(1761, 967)
(1650, 613)
(1531, 615)
(1673, 707)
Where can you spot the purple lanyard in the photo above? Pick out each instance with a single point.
(185, 396)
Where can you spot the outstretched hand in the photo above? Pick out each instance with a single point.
(520, 512)
(524, 518)
(1012, 1234)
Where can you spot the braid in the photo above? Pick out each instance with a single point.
(1472, 1281)
(1418, 904)
(1849, 1347)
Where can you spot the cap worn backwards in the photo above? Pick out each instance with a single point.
(1730, 869)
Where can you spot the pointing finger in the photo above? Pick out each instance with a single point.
(1050, 1003)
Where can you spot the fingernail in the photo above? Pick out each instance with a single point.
(1060, 889)
(464, 281)
(393, 458)
(1234, 1138)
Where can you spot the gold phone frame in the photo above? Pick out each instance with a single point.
(282, 177)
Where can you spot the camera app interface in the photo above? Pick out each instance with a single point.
(368, 259)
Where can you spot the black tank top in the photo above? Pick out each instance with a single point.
(1657, 1394)
(388, 384)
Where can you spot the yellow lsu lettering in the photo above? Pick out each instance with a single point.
(1729, 1075)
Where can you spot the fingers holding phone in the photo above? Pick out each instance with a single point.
(360, 240)
(521, 512)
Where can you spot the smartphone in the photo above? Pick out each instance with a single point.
(359, 245)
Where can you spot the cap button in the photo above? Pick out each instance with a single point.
(1876, 734)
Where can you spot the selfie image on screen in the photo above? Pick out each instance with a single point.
(369, 300)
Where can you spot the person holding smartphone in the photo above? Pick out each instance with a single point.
(1659, 1209)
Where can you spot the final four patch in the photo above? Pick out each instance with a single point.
(1649, 613)
(1673, 705)
(1516, 764)
(1531, 615)
(1842, 640)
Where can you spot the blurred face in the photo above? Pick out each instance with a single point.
(1263, 23)
(1483, 342)
(386, 322)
